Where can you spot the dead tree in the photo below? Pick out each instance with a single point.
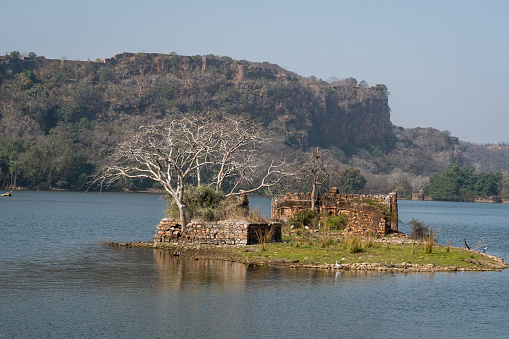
(316, 170)
(167, 152)
(240, 159)
(174, 149)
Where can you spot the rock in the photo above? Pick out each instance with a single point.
(282, 261)
(473, 261)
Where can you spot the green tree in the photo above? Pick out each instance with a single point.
(4, 167)
(15, 168)
(488, 183)
(351, 181)
(453, 184)
(460, 183)
(443, 188)
(382, 88)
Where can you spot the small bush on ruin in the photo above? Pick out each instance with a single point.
(204, 203)
(304, 218)
(236, 207)
(335, 222)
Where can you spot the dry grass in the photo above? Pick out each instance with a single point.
(264, 236)
(369, 241)
(352, 243)
(430, 241)
(256, 217)
(326, 238)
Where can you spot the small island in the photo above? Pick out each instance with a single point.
(346, 232)
(385, 254)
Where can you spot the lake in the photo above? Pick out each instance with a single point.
(59, 279)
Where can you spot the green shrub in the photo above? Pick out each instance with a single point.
(423, 233)
(304, 218)
(202, 202)
(335, 222)
(419, 232)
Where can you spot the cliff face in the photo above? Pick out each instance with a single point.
(303, 111)
(354, 116)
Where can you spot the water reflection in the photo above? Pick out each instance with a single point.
(176, 272)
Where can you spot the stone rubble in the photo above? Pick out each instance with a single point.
(366, 214)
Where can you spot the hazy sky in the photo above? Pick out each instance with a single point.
(445, 63)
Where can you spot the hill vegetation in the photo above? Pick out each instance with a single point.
(60, 119)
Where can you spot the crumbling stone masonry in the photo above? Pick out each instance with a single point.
(376, 214)
(228, 232)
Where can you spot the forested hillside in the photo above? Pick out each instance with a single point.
(59, 119)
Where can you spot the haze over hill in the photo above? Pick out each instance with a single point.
(60, 118)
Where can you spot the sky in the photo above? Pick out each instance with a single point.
(445, 62)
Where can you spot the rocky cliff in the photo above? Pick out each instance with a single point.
(303, 111)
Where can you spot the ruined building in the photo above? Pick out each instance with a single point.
(375, 214)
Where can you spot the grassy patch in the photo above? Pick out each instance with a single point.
(366, 250)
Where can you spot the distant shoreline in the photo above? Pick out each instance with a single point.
(24, 189)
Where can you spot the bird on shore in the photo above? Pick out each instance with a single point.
(338, 265)
(484, 249)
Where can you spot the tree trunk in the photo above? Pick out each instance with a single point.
(313, 190)
(198, 173)
(182, 211)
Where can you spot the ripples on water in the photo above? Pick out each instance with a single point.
(59, 280)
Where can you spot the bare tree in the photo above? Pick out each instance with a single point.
(237, 148)
(239, 158)
(167, 152)
(172, 150)
(419, 184)
(317, 170)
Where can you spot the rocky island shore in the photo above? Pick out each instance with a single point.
(387, 254)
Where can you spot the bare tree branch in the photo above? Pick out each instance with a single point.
(173, 150)
(317, 170)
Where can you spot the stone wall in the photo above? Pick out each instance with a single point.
(228, 232)
(377, 214)
(418, 196)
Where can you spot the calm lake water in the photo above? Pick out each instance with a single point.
(58, 279)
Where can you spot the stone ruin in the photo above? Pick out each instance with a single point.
(225, 232)
(375, 214)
